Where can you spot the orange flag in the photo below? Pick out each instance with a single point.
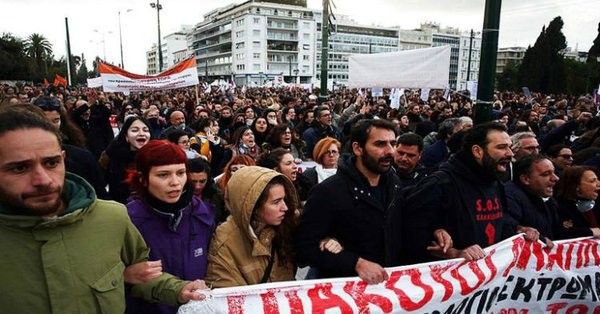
(46, 82)
(59, 80)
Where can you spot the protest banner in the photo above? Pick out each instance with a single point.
(516, 276)
(115, 79)
(94, 82)
(417, 68)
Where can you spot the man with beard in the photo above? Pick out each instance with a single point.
(465, 198)
(354, 206)
(68, 250)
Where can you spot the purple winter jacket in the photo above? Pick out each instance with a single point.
(180, 242)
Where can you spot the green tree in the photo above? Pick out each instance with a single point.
(14, 64)
(509, 78)
(82, 72)
(38, 48)
(576, 75)
(594, 51)
(543, 67)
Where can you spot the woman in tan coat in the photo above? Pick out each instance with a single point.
(254, 244)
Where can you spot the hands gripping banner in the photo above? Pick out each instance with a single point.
(115, 79)
(516, 277)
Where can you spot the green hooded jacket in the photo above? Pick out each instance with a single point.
(74, 263)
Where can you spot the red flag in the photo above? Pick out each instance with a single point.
(59, 80)
(46, 82)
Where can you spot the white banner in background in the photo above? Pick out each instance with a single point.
(516, 276)
(115, 79)
(418, 68)
(94, 82)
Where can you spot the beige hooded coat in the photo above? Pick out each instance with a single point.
(237, 256)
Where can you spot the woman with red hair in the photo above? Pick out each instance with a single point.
(236, 163)
(326, 154)
(176, 225)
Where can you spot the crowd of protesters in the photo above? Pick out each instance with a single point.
(238, 186)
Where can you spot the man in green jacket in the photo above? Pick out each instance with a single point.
(63, 250)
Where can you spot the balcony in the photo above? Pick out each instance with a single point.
(280, 46)
(282, 37)
(274, 25)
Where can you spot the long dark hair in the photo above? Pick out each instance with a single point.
(283, 240)
(570, 179)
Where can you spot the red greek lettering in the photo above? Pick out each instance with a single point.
(294, 301)
(464, 285)
(415, 277)
(554, 307)
(329, 301)
(436, 272)
(235, 304)
(568, 255)
(357, 291)
(269, 301)
(517, 247)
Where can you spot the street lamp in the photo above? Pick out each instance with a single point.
(158, 7)
(121, 38)
(103, 42)
(296, 76)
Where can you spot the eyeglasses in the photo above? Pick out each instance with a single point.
(48, 104)
(332, 152)
(566, 156)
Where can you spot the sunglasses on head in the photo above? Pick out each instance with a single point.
(48, 104)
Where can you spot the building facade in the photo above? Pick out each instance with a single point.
(256, 41)
(152, 60)
(469, 59)
(507, 55)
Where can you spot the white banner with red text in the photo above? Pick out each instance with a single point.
(115, 79)
(516, 276)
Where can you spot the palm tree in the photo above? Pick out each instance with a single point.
(39, 49)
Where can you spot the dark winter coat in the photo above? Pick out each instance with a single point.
(461, 198)
(530, 210)
(343, 208)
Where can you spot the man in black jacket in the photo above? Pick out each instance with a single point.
(529, 195)
(465, 198)
(355, 206)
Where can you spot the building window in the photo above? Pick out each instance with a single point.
(256, 44)
(306, 36)
(240, 45)
(256, 20)
(241, 66)
(256, 32)
(256, 67)
(240, 56)
(239, 34)
(306, 57)
(306, 25)
(256, 55)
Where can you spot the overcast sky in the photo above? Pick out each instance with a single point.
(91, 22)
